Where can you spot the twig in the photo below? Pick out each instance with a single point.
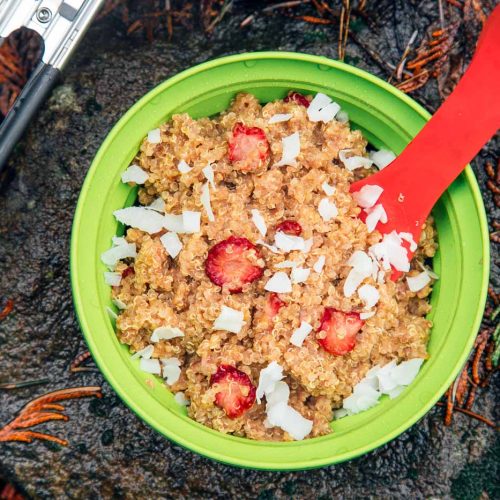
(80, 359)
(473, 415)
(225, 9)
(449, 406)
(25, 383)
(9, 305)
(400, 66)
(285, 5)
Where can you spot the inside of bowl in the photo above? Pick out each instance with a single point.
(387, 120)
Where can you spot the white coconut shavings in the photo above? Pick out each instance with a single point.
(382, 158)
(112, 279)
(267, 380)
(408, 237)
(230, 320)
(300, 334)
(366, 315)
(180, 399)
(342, 116)
(150, 366)
(136, 174)
(375, 215)
(205, 201)
(288, 242)
(154, 136)
(280, 393)
(417, 283)
(191, 221)
(322, 109)
(174, 223)
(329, 190)
(113, 316)
(291, 149)
(145, 353)
(158, 205)
(362, 268)
(327, 209)
(280, 117)
(119, 304)
(208, 172)
(290, 420)
(353, 162)
(319, 264)
(390, 379)
(183, 167)
(272, 248)
(369, 295)
(428, 270)
(279, 283)
(286, 264)
(166, 333)
(299, 274)
(171, 370)
(123, 251)
(390, 251)
(259, 222)
(172, 244)
(140, 218)
(118, 240)
(308, 245)
(368, 195)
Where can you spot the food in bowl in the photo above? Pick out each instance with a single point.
(249, 281)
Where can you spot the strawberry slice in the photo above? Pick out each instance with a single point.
(297, 98)
(236, 393)
(248, 148)
(290, 227)
(341, 329)
(273, 305)
(233, 263)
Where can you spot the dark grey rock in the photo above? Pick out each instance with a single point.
(111, 452)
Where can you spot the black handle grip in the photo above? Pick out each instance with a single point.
(24, 109)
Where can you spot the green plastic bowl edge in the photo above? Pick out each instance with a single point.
(222, 457)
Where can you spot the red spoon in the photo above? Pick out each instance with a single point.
(470, 116)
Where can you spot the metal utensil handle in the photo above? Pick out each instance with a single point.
(25, 107)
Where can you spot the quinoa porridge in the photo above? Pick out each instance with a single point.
(246, 279)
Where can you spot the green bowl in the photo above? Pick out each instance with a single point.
(387, 118)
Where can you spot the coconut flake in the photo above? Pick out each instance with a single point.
(290, 420)
(230, 320)
(280, 117)
(112, 279)
(408, 237)
(382, 158)
(428, 270)
(291, 149)
(329, 190)
(362, 268)
(322, 109)
(119, 304)
(280, 393)
(369, 295)
(111, 314)
(180, 399)
(205, 201)
(319, 264)
(172, 244)
(191, 221)
(363, 397)
(279, 283)
(342, 116)
(150, 366)
(406, 371)
(390, 251)
(259, 222)
(174, 223)
(286, 264)
(166, 333)
(417, 283)
(368, 195)
(145, 353)
(140, 218)
(308, 245)
(183, 167)
(300, 274)
(353, 162)
(366, 315)
(375, 215)
(111, 257)
(118, 240)
(136, 174)
(288, 242)
(267, 380)
(171, 370)
(158, 205)
(327, 209)
(154, 136)
(272, 248)
(208, 172)
(300, 334)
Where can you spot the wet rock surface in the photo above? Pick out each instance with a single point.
(111, 451)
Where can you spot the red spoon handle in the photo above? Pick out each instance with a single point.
(468, 118)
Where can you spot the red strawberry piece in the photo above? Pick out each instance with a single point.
(233, 262)
(297, 98)
(290, 227)
(236, 393)
(273, 305)
(127, 272)
(341, 329)
(248, 148)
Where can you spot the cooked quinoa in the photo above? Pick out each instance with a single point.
(160, 291)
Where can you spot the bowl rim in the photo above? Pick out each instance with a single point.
(190, 445)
